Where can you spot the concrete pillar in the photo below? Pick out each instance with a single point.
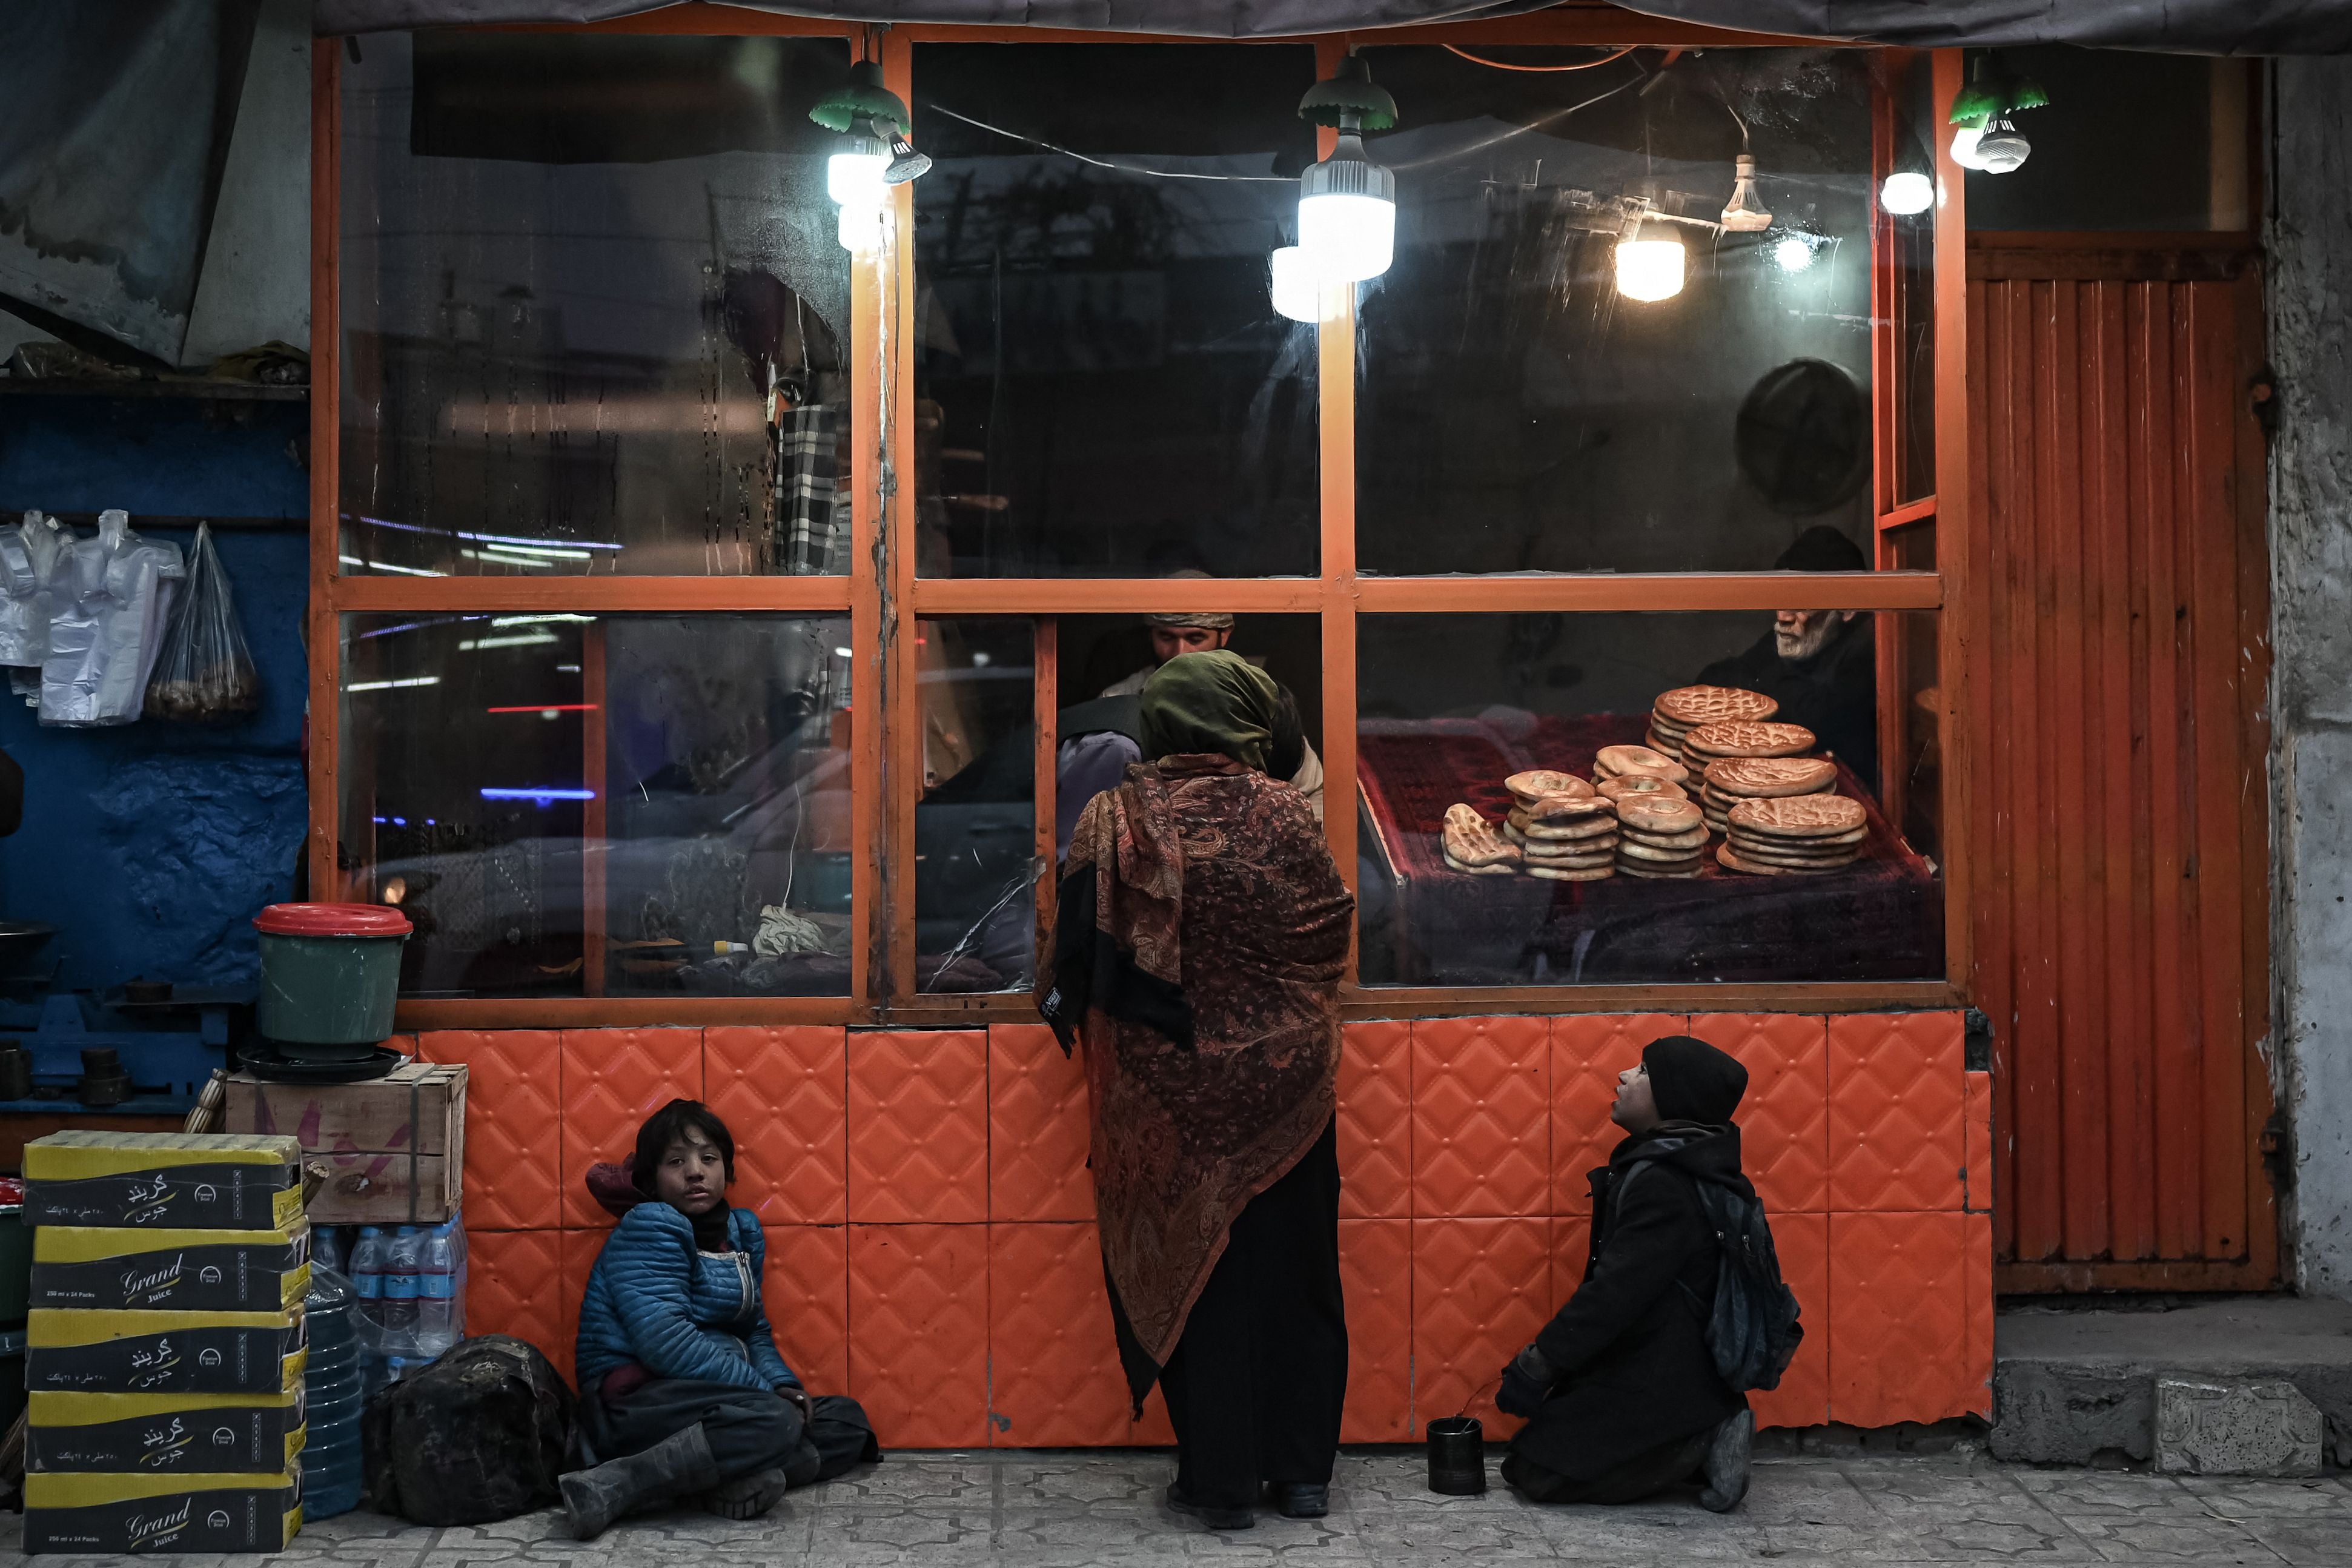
(2310, 289)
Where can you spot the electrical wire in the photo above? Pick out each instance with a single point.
(1106, 163)
(1506, 66)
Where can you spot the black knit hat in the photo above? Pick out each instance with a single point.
(1822, 549)
(1692, 1082)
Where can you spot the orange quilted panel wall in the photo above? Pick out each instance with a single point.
(931, 1245)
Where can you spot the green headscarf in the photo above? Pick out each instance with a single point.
(1217, 701)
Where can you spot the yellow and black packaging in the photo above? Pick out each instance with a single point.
(213, 1181)
(164, 1353)
(90, 1267)
(116, 1514)
(163, 1433)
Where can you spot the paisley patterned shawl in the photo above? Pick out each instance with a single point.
(1197, 953)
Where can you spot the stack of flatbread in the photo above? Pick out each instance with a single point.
(1744, 737)
(1794, 834)
(1686, 709)
(1739, 779)
(1660, 838)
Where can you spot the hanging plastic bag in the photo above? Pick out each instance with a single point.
(113, 597)
(28, 558)
(204, 671)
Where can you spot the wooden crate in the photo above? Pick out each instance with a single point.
(394, 1148)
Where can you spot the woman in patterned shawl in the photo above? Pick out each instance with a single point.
(1197, 954)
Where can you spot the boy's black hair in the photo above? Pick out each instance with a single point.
(666, 1126)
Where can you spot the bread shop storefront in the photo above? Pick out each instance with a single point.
(757, 460)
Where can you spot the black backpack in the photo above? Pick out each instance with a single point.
(1753, 1332)
(479, 1436)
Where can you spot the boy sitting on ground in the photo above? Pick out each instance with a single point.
(1621, 1391)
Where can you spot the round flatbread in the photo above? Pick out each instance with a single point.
(1453, 864)
(1760, 778)
(1800, 816)
(1653, 815)
(1747, 738)
(1555, 849)
(1626, 784)
(1578, 825)
(1793, 862)
(1616, 759)
(1599, 873)
(1693, 706)
(1631, 849)
(1573, 863)
(1537, 783)
(1689, 841)
(1732, 860)
(1653, 873)
(1560, 810)
(1838, 843)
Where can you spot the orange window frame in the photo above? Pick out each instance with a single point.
(884, 598)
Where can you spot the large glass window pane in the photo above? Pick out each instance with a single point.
(1103, 386)
(595, 313)
(621, 805)
(1745, 876)
(2128, 140)
(1530, 402)
(976, 863)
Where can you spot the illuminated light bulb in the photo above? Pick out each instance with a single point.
(1745, 214)
(1964, 146)
(1793, 254)
(1649, 269)
(1297, 292)
(2003, 148)
(1347, 214)
(853, 176)
(1906, 192)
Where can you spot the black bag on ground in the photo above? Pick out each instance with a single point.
(479, 1436)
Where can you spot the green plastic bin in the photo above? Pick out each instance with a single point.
(329, 972)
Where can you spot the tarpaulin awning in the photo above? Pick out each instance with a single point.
(2185, 27)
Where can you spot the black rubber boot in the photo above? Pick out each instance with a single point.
(746, 1497)
(1727, 1463)
(673, 1467)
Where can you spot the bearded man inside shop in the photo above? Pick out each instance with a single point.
(1819, 665)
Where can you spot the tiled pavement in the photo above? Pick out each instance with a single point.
(1062, 1510)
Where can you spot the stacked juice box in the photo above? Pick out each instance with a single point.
(166, 1346)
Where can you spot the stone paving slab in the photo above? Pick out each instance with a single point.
(1042, 1508)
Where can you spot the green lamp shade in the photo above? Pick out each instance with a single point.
(1350, 93)
(1976, 103)
(863, 96)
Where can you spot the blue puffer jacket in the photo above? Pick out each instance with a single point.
(656, 1300)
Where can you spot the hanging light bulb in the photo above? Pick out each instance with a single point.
(876, 156)
(1297, 292)
(2003, 148)
(1910, 188)
(906, 163)
(1906, 192)
(1745, 214)
(1648, 269)
(1964, 146)
(1346, 202)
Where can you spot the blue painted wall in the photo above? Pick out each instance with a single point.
(150, 846)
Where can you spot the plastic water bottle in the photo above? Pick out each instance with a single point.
(329, 1248)
(436, 1329)
(331, 1398)
(402, 1282)
(367, 1277)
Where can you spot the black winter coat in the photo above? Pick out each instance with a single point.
(1630, 1347)
(1834, 694)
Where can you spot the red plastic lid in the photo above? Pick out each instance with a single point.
(332, 920)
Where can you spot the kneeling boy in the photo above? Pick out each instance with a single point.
(1620, 1389)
